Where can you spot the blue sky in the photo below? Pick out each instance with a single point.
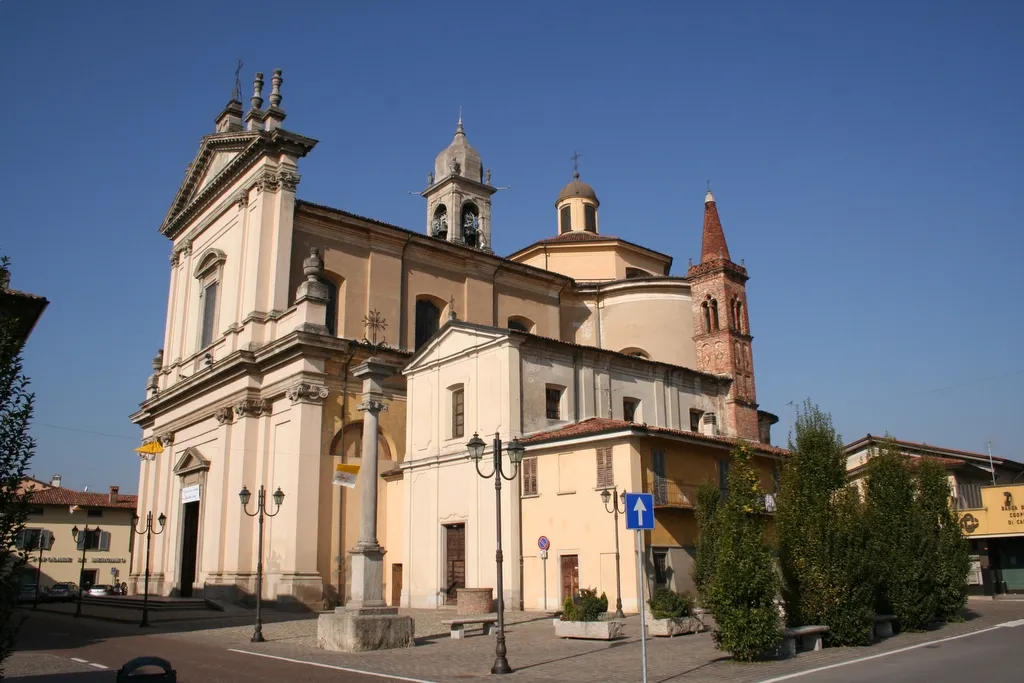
(866, 158)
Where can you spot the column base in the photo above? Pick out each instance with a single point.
(354, 631)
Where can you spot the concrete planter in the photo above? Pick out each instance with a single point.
(588, 630)
(674, 626)
(473, 601)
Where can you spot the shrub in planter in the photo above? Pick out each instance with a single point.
(581, 618)
(667, 604)
(587, 606)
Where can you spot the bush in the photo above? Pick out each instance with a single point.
(587, 607)
(822, 538)
(708, 500)
(941, 532)
(745, 585)
(667, 604)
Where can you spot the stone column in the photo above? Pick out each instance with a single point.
(368, 555)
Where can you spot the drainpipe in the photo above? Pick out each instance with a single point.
(341, 489)
(600, 345)
(403, 323)
(494, 296)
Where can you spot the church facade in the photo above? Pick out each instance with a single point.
(613, 372)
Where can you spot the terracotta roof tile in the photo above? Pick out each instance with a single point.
(713, 244)
(63, 496)
(577, 236)
(598, 425)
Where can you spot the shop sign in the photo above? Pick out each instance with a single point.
(58, 559)
(109, 560)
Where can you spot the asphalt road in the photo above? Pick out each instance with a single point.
(58, 649)
(993, 655)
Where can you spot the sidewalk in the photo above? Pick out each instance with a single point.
(536, 655)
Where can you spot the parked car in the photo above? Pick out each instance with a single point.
(100, 589)
(64, 592)
(27, 593)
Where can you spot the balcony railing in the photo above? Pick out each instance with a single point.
(674, 495)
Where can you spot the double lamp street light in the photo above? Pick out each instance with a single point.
(149, 532)
(260, 512)
(607, 497)
(75, 533)
(515, 450)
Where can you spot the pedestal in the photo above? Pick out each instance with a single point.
(368, 580)
(358, 630)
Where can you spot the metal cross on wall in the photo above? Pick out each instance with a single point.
(375, 325)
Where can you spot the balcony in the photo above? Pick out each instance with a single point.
(670, 494)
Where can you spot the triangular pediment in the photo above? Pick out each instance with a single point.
(191, 460)
(455, 338)
(216, 164)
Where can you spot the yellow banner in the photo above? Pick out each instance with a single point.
(345, 475)
(152, 448)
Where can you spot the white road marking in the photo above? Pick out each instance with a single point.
(80, 661)
(332, 666)
(1008, 624)
(98, 666)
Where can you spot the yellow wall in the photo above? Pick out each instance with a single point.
(63, 562)
(996, 517)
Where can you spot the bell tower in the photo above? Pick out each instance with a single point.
(458, 195)
(721, 325)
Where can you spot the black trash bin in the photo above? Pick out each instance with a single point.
(127, 673)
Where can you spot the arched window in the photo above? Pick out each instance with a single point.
(353, 446)
(705, 310)
(428, 320)
(565, 219)
(636, 352)
(439, 224)
(331, 320)
(589, 218)
(520, 323)
(741, 324)
(633, 273)
(208, 272)
(458, 410)
(740, 356)
(714, 314)
(470, 224)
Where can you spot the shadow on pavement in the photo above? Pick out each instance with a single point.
(81, 677)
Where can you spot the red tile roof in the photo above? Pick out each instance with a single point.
(577, 236)
(912, 445)
(713, 245)
(599, 425)
(63, 496)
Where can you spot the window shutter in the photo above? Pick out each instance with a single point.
(604, 468)
(104, 541)
(530, 477)
(660, 483)
(48, 545)
(19, 541)
(81, 540)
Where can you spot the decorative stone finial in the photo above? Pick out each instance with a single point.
(313, 266)
(257, 91)
(313, 288)
(158, 360)
(709, 198)
(275, 94)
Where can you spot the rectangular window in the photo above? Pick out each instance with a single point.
(553, 401)
(35, 511)
(530, 477)
(605, 473)
(970, 496)
(95, 513)
(209, 314)
(723, 478)
(661, 567)
(565, 219)
(458, 413)
(589, 218)
(629, 408)
(28, 539)
(660, 484)
(93, 539)
(695, 416)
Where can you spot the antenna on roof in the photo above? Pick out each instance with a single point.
(990, 463)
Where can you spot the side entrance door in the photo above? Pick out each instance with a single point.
(570, 576)
(455, 561)
(396, 585)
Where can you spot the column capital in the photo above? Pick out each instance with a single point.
(372, 406)
(224, 415)
(306, 392)
(251, 407)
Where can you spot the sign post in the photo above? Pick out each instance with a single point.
(543, 543)
(640, 518)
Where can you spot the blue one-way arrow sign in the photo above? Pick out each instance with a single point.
(639, 511)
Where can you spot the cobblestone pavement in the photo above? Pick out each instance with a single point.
(536, 655)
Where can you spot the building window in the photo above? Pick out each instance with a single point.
(660, 567)
(740, 323)
(458, 412)
(553, 402)
(36, 511)
(530, 477)
(695, 416)
(520, 324)
(589, 218)
(95, 513)
(660, 484)
(331, 319)
(565, 219)
(705, 312)
(209, 308)
(723, 478)
(470, 224)
(629, 409)
(94, 539)
(636, 353)
(28, 539)
(633, 273)
(714, 314)
(428, 320)
(439, 224)
(605, 473)
(208, 273)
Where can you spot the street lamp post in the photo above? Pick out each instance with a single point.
(149, 531)
(81, 571)
(515, 450)
(45, 541)
(259, 513)
(614, 497)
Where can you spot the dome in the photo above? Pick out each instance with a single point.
(459, 158)
(578, 188)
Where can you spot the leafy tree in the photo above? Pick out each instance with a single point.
(708, 500)
(745, 586)
(16, 448)
(821, 535)
(941, 532)
(899, 549)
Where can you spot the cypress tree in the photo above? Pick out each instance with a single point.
(745, 586)
(708, 499)
(941, 533)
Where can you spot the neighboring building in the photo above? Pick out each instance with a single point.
(266, 320)
(21, 306)
(978, 484)
(108, 544)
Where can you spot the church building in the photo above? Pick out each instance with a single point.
(610, 370)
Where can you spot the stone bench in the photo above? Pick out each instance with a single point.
(883, 625)
(809, 636)
(459, 624)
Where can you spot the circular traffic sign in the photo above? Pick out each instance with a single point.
(543, 543)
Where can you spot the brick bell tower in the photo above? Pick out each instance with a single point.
(721, 326)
